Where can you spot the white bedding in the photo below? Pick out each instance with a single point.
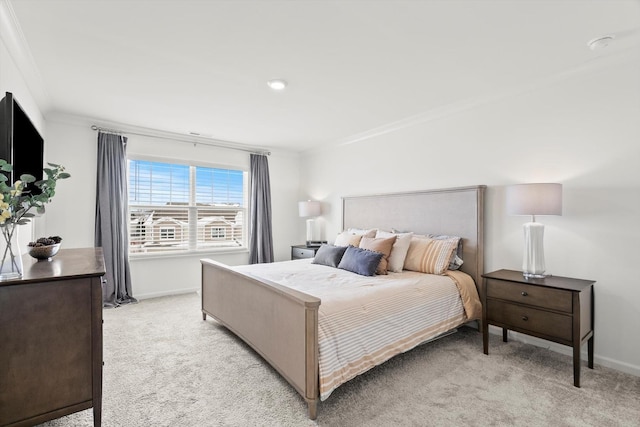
(364, 321)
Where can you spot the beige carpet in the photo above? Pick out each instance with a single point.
(164, 366)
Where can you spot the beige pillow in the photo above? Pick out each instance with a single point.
(382, 245)
(398, 251)
(347, 239)
(428, 255)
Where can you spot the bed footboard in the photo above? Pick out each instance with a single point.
(279, 323)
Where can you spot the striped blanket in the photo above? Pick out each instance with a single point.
(364, 321)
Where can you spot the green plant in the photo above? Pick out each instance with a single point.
(16, 201)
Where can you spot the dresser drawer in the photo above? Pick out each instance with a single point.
(299, 253)
(530, 319)
(549, 298)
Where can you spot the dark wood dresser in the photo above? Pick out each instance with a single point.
(558, 309)
(51, 339)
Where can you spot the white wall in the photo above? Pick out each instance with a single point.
(582, 131)
(71, 142)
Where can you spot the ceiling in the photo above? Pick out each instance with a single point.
(354, 68)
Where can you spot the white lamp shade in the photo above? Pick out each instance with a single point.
(534, 199)
(309, 208)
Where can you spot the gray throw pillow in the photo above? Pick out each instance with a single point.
(329, 255)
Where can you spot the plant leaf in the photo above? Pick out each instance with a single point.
(27, 178)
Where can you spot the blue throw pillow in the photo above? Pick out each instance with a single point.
(329, 255)
(360, 261)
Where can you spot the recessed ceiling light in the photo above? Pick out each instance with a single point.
(277, 84)
(600, 42)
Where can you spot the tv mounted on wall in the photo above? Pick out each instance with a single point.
(20, 142)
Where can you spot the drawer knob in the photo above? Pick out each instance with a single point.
(524, 293)
(525, 318)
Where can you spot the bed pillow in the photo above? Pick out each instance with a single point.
(364, 232)
(347, 239)
(382, 245)
(429, 255)
(360, 261)
(329, 255)
(456, 258)
(352, 236)
(398, 251)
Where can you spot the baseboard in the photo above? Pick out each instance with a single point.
(607, 362)
(165, 293)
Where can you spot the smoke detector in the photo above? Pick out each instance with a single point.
(600, 42)
(277, 84)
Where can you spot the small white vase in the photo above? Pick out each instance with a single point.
(10, 253)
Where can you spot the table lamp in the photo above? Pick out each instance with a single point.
(534, 199)
(309, 209)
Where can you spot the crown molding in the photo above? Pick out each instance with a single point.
(87, 122)
(16, 44)
(615, 59)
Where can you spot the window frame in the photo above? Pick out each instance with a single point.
(167, 233)
(192, 211)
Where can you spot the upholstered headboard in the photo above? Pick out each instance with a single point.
(452, 211)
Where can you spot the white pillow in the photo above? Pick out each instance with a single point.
(398, 251)
(363, 232)
(347, 239)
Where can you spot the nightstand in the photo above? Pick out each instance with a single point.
(303, 251)
(558, 309)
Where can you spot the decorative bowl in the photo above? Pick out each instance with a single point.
(44, 252)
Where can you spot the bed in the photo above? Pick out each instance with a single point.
(281, 323)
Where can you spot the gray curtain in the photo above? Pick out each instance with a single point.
(260, 233)
(111, 232)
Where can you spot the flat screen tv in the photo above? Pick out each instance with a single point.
(20, 142)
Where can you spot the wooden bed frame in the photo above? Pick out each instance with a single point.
(281, 324)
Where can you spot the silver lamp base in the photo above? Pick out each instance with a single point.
(533, 261)
(310, 229)
(534, 275)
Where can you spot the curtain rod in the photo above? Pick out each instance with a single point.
(213, 144)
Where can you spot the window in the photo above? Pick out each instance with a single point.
(179, 207)
(218, 233)
(167, 233)
(138, 231)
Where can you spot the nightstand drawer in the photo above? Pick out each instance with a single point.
(551, 299)
(530, 319)
(300, 253)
